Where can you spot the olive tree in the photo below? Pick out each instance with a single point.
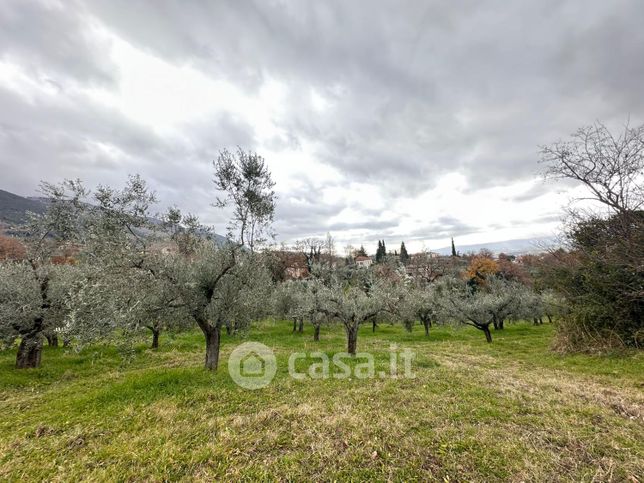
(352, 297)
(208, 288)
(105, 307)
(290, 301)
(209, 285)
(464, 305)
(24, 314)
(313, 305)
(506, 299)
(32, 290)
(152, 304)
(478, 307)
(123, 286)
(532, 307)
(246, 182)
(554, 305)
(417, 304)
(216, 285)
(300, 300)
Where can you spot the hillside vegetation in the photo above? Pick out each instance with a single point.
(512, 410)
(14, 208)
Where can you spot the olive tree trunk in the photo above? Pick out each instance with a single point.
(155, 338)
(486, 331)
(352, 339)
(213, 339)
(29, 351)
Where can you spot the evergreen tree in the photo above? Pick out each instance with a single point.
(453, 248)
(362, 252)
(404, 256)
(379, 256)
(381, 253)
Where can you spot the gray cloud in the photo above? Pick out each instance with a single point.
(52, 141)
(53, 43)
(405, 77)
(415, 90)
(443, 227)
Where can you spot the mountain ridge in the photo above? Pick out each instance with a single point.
(518, 246)
(14, 209)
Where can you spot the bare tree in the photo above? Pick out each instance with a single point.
(610, 166)
(312, 249)
(329, 247)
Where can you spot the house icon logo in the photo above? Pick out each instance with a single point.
(252, 365)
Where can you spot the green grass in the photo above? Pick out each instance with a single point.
(511, 410)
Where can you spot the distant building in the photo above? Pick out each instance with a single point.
(294, 263)
(363, 261)
(297, 270)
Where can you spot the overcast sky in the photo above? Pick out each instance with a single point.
(402, 120)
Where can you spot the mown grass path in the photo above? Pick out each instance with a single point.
(508, 411)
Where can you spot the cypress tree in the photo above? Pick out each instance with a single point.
(404, 256)
(453, 248)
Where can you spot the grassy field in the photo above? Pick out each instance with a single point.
(510, 411)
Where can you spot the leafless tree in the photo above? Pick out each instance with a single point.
(610, 166)
(312, 249)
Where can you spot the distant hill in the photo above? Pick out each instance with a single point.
(219, 240)
(14, 208)
(510, 247)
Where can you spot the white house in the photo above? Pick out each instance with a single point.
(363, 261)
